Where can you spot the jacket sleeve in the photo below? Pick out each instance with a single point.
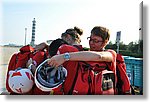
(11, 66)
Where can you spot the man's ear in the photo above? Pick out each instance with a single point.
(104, 43)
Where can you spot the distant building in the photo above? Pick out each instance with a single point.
(33, 33)
(13, 45)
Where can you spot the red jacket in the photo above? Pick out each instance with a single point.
(38, 58)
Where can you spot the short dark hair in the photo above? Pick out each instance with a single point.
(102, 32)
(53, 47)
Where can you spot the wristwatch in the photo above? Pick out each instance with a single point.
(66, 56)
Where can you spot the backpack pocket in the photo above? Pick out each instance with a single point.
(108, 82)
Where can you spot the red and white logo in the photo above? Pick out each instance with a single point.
(20, 81)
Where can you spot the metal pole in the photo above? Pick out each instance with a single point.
(25, 35)
(118, 40)
(118, 47)
(140, 26)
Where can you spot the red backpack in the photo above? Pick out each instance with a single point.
(123, 84)
(87, 77)
(87, 82)
(19, 60)
(93, 78)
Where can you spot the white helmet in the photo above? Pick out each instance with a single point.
(20, 80)
(48, 78)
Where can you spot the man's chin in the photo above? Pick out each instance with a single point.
(93, 49)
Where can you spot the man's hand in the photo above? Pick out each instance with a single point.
(56, 60)
(30, 61)
(40, 46)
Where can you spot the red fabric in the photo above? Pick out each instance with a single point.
(82, 84)
(22, 59)
(27, 48)
(19, 60)
(126, 82)
(120, 59)
(79, 47)
(39, 57)
(122, 70)
(71, 70)
(94, 85)
(66, 48)
(71, 67)
(113, 64)
(83, 87)
(11, 66)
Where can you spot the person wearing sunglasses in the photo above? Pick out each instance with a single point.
(97, 56)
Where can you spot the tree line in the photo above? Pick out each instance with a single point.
(134, 49)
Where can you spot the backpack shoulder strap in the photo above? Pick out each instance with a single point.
(123, 83)
(78, 47)
(74, 81)
(45, 56)
(119, 58)
(119, 81)
(26, 48)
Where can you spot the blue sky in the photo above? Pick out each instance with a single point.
(53, 17)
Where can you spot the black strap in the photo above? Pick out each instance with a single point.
(79, 48)
(89, 82)
(75, 79)
(16, 58)
(132, 90)
(107, 66)
(119, 82)
(45, 56)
